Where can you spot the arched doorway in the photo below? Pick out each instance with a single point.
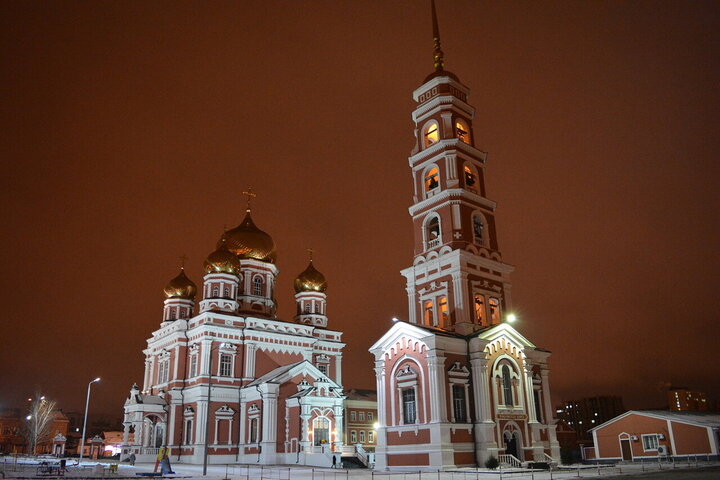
(513, 443)
(154, 431)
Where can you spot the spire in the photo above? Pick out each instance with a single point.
(437, 51)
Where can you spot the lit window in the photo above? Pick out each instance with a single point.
(480, 309)
(494, 310)
(431, 134)
(478, 227)
(459, 403)
(651, 442)
(362, 436)
(429, 320)
(462, 131)
(225, 364)
(470, 179)
(443, 308)
(257, 286)
(371, 437)
(433, 232)
(432, 179)
(408, 406)
(507, 386)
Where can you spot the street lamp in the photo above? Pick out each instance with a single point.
(87, 404)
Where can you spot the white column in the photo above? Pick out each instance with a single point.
(381, 396)
(461, 295)
(412, 310)
(438, 388)
(546, 395)
(527, 368)
(338, 369)
(249, 361)
(269, 417)
(205, 357)
(481, 389)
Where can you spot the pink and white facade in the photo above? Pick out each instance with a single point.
(456, 383)
(228, 377)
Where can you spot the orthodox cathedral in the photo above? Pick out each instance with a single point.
(225, 380)
(456, 383)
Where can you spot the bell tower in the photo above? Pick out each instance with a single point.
(458, 280)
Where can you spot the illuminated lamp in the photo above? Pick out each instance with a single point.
(511, 318)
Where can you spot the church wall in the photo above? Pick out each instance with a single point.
(404, 459)
(411, 437)
(464, 458)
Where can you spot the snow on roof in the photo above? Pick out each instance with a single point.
(702, 419)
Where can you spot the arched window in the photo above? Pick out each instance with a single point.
(215, 292)
(494, 310)
(478, 229)
(470, 177)
(443, 311)
(507, 386)
(428, 312)
(431, 134)
(432, 233)
(317, 308)
(432, 179)
(172, 314)
(227, 292)
(480, 309)
(321, 431)
(462, 131)
(257, 286)
(307, 308)
(409, 408)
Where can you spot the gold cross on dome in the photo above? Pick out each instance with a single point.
(311, 251)
(250, 194)
(183, 259)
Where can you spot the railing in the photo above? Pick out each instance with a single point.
(549, 459)
(511, 460)
(150, 450)
(367, 458)
(433, 242)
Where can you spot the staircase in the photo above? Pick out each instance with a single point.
(352, 462)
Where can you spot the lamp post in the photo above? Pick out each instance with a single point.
(87, 404)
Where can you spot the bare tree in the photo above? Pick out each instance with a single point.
(38, 422)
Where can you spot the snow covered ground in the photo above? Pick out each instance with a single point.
(25, 468)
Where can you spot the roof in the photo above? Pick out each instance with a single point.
(361, 394)
(702, 419)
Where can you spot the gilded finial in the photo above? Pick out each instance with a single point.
(310, 253)
(183, 258)
(437, 51)
(250, 196)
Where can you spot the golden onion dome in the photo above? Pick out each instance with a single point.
(310, 280)
(248, 241)
(180, 287)
(222, 260)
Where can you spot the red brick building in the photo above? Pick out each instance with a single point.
(637, 435)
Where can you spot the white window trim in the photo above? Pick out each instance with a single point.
(657, 441)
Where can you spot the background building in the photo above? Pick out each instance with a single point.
(361, 418)
(682, 399)
(583, 414)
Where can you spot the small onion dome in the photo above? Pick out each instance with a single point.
(222, 260)
(310, 281)
(248, 241)
(181, 287)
